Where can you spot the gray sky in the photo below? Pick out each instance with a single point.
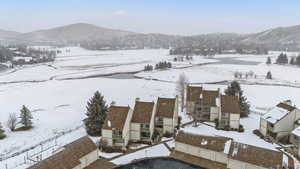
(186, 17)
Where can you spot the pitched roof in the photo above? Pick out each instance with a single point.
(193, 93)
(277, 113)
(230, 104)
(69, 156)
(286, 106)
(142, 112)
(165, 107)
(209, 97)
(255, 155)
(116, 117)
(214, 143)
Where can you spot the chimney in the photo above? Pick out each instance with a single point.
(237, 94)
(288, 102)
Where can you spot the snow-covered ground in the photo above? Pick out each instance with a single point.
(58, 105)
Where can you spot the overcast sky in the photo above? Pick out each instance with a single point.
(185, 17)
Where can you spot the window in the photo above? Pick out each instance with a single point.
(145, 126)
(145, 134)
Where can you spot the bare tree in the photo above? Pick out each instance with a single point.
(12, 121)
(181, 88)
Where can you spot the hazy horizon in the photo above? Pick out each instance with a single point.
(168, 17)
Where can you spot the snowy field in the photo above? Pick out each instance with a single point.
(58, 105)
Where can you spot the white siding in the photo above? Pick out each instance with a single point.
(214, 113)
(234, 121)
(202, 153)
(107, 136)
(135, 133)
(286, 124)
(263, 126)
(168, 125)
(126, 129)
(234, 164)
(89, 159)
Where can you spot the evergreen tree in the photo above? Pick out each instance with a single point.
(232, 90)
(2, 132)
(26, 117)
(292, 61)
(269, 61)
(282, 59)
(96, 114)
(269, 75)
(297, 62)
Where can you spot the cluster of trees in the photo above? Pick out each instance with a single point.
(38, 56)
(240, 75)
(163, 65)
(283, 59)
(96, 111)
(221, 49)
(148, 68)
(5, 54)
(182, 58)
(232, 90)
(12, 122)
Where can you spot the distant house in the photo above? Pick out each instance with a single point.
(243, 156)
(230, 112)
(166, 116)
(116, 128)
(228, 152)
(142, 122)
(295, 138)
(211, 105)
(21, 60)
(192, 95)
(206, 147)
(279, 121)
(207, 106)
(76, 155)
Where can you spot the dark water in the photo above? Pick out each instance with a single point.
(122, 76)
(235, 61)
(159, 163)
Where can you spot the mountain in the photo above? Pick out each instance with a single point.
(94, 37)
(4, 34)
(76, 33)
(281, 37)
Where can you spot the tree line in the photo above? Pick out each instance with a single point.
(283, 59)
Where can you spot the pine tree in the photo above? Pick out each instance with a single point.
(269, 61)
(297, 62)
(26, 117)
(292, 61)
(96, 114)
(269, 75)
(235, 88)
(2, 132)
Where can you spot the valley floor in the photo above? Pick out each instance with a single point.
(57, 93)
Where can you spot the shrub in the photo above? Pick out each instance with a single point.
(168, 134)
(227, 128)
(258, 133)
(241, 128)
(217, 123)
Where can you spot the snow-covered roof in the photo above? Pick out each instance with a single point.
(296, 131)
(277, 113)
(17, 58)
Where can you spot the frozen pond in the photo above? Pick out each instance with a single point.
(159, 163)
